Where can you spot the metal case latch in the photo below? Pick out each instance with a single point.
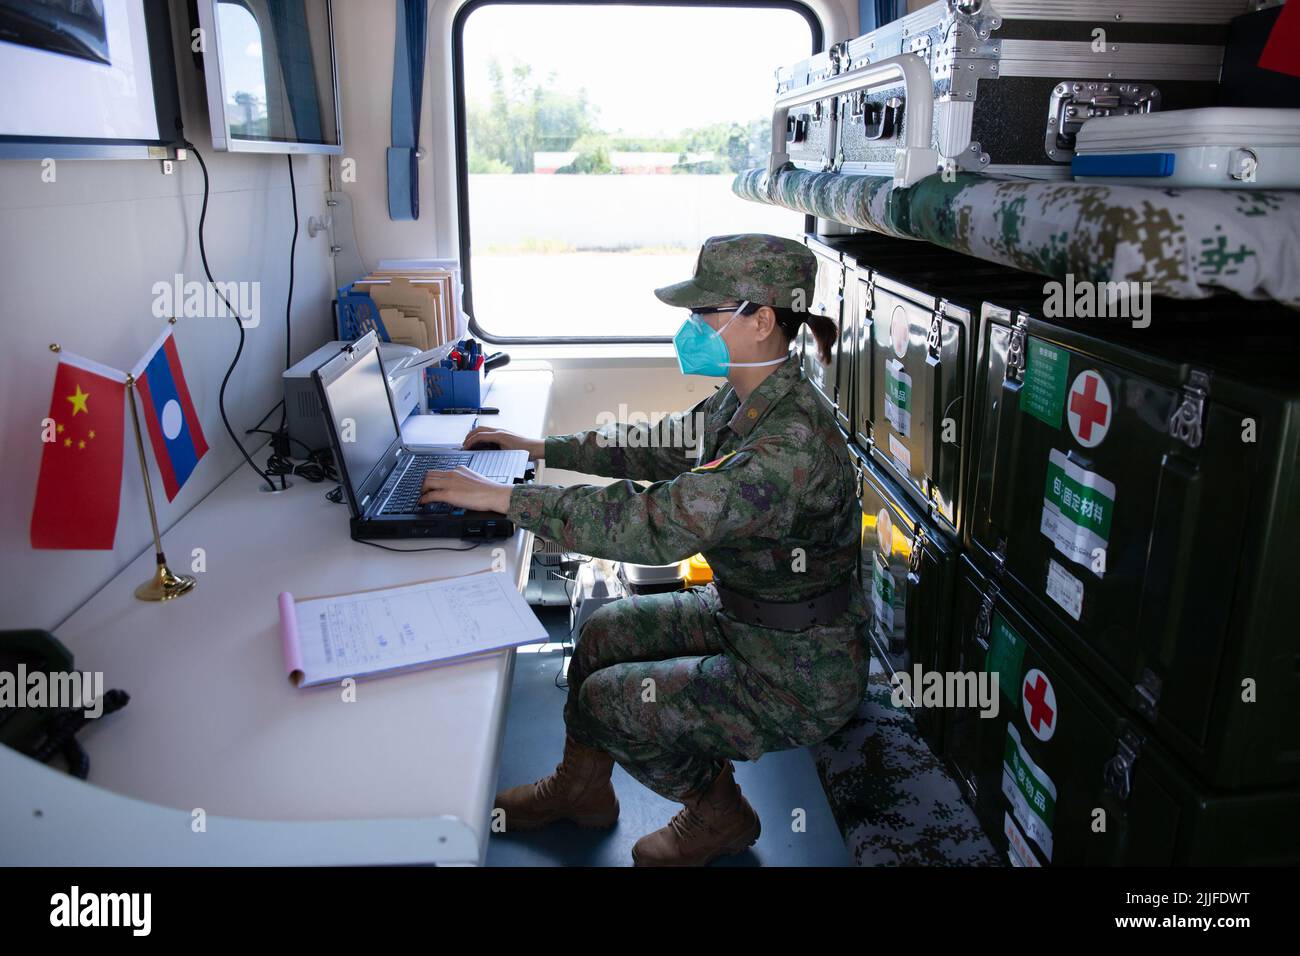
(1187, 423)
(984, 618)
(914, 557)
(1074, 101)
(1118, 773)
(1016, 350)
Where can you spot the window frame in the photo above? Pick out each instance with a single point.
(461, 132)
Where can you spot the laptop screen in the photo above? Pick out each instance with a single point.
(358, 402)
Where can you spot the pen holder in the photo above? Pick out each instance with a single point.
(450, 388)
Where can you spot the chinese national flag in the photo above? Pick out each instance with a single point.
(81, 467)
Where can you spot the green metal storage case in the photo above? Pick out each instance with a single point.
(916, 317)
(1138, 494)
(1064, 774)
(834, 383)
(907, 572)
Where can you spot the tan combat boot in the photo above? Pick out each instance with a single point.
(714, 823)
(579, 790)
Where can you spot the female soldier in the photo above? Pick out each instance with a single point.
(675, 686)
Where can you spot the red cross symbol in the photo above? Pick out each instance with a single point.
(1087, 407)
(1040, 711)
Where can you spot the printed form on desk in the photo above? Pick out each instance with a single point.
(395, 629)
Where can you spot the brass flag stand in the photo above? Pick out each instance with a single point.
(165, 583)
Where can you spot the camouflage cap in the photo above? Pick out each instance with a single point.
(760, 268)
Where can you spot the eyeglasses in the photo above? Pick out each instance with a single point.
(716, 310)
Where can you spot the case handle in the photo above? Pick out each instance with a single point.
(1002, 480)
(888, 119)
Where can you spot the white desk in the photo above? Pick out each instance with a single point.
(213, 722)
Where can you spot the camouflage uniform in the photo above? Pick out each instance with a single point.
(671, 685)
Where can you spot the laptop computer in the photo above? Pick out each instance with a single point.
(381, 475)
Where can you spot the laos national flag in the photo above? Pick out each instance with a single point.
(174, 429)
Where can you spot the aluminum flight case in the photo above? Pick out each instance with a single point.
(809, 132)
(1011, 81)
(1137, 492)
(1064, 775)
(907, 571)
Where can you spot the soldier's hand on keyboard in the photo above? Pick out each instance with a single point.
(463, 488)
(485, 437)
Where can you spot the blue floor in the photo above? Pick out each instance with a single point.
(778, 785)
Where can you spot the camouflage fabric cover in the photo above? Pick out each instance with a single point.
(891, 796)
(754, 267)
(868, 202)
(1185, 242)
(767, 493)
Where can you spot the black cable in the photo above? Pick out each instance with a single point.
(262, 420)
(318, 466)
(375, 544)
(288, 304)
(239, 350)
(310, 451)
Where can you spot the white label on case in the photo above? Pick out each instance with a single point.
(900, 454)
(1018, 849)
(1065, 589)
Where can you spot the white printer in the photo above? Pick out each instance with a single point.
(302, 403)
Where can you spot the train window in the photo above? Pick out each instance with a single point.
(597, 146)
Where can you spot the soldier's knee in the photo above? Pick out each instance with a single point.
(605, 624)
(601, 700)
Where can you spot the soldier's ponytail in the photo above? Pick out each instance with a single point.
(788, 321)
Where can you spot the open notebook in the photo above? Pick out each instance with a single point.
(394, 629)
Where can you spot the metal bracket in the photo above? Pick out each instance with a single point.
(1148, 692)
(838, 57)
(1118, 772)
(1016, 350)
(1187, 424)
(1000, 558)
(1074, 101)
(935, 338)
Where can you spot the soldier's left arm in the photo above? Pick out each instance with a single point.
(748, 495)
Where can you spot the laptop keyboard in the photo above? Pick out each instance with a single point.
(405, 498)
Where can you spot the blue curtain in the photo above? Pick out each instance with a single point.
(876, 13)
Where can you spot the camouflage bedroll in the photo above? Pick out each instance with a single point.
(1188, 243)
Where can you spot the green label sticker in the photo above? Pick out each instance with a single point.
(1030, 791)
(1042, 393)
(1005, 657)
(882, 597)
(898, 398)
(1078, 506)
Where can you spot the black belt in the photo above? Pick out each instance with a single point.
(787, 615)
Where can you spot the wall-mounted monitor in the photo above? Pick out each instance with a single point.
(87, 79)
(270, 73)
